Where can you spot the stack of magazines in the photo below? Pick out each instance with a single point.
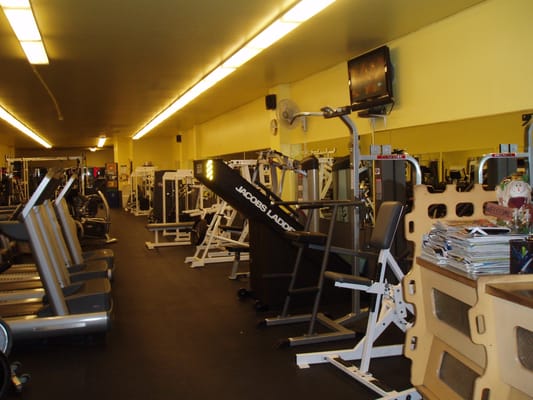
(475, 246)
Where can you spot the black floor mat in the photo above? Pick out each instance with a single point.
(182, 333)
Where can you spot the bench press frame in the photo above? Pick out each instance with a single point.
(182, 229)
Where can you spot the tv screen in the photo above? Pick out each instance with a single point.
(370, 79)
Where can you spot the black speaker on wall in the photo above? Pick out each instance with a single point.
(270, 101)
(178, 138)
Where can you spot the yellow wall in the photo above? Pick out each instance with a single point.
(327, 88)
(6, 150)
(186, 151)
(448, 78)
(474, 64)
(242, 129)
(154, 150)
(99, 158)
(123, 157)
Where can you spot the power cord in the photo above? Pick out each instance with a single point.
(50, 94)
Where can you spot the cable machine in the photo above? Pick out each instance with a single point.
(19, 168)
(142, 187)
(173, 198)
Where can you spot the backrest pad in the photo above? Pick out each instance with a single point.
(387, 221)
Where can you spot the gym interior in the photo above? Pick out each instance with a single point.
(247, 199)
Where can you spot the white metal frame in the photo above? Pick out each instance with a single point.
(212, 250)
(389, 308)
(147, 176)
(181, 233)
(175, 177)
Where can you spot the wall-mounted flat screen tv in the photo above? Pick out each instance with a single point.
(370, 79)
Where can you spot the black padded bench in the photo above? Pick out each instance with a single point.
(237, 250)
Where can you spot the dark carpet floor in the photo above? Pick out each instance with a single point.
(183, 333)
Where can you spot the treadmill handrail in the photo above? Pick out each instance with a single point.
(66, 188)
(44, 191)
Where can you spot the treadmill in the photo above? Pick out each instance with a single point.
(55, 239)
(23, 281)
(68, 227)
(79, 308)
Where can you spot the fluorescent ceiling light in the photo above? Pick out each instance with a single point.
(209, 81)
(11, 120)
(272, 34)
(298, 14)
(22, 21)
(305, 10)
(35, 52)
(15, 3)
(101, 141)
(241, 57)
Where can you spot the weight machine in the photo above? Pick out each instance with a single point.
(312, 239)
(212, 238)
(142, 188)
(271, 170)
(388, 305)
(387, 308)
(315, 240)
(174, 198)
(503, 165)
(19, 169)
(215, 242)
(325, 171)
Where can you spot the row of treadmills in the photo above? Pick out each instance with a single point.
(66, 291)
